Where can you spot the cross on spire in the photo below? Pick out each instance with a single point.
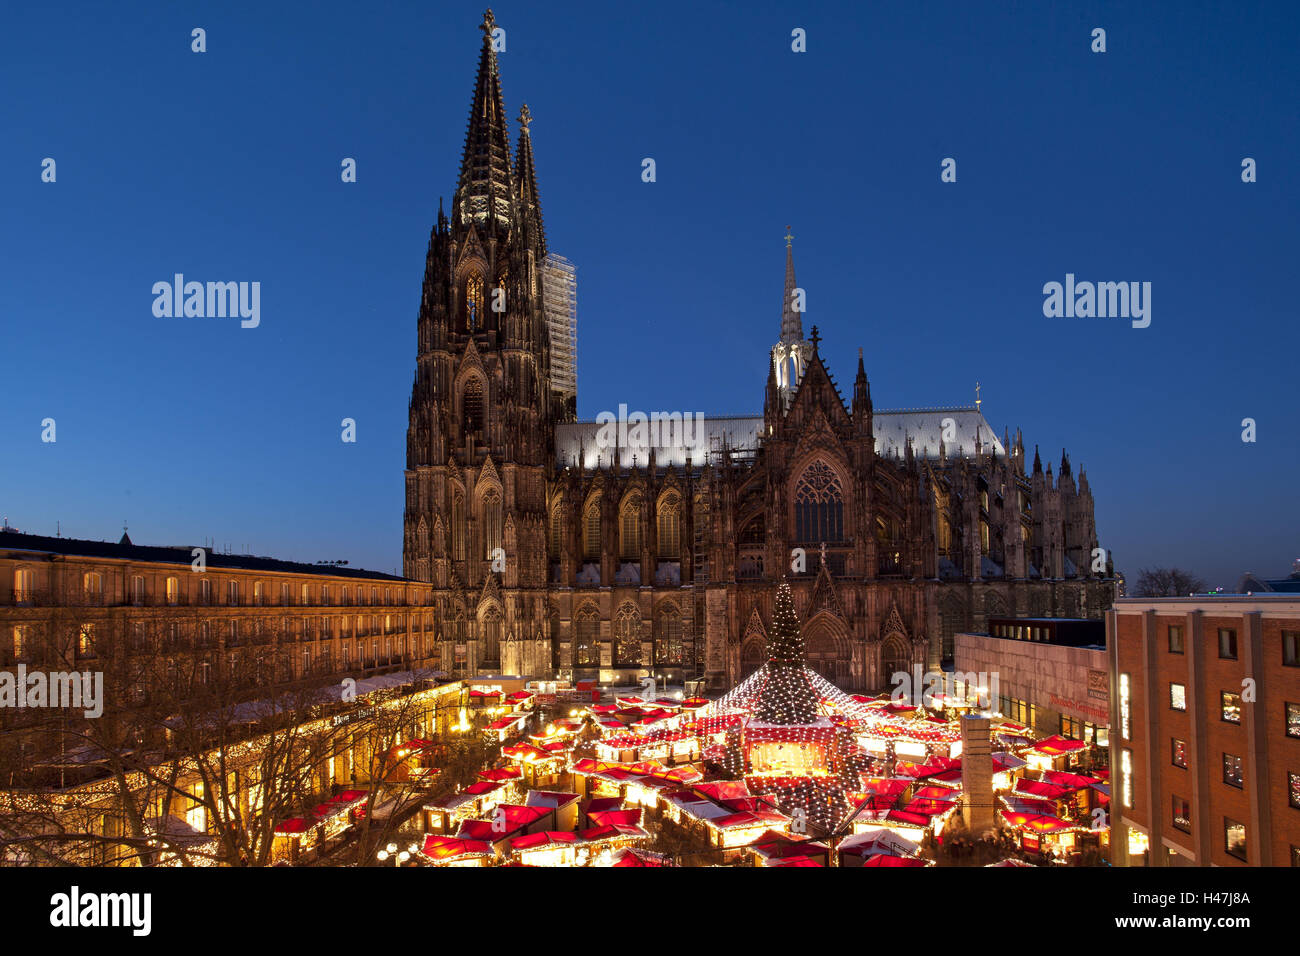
(525, 117)
(789, 238)
(977, 396)
(488, 25)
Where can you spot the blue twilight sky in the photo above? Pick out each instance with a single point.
(225, 166)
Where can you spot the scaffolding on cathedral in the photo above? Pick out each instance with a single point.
(560, 298)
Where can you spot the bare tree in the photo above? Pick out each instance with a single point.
(1167, 582)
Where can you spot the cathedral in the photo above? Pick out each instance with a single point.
(559, 548)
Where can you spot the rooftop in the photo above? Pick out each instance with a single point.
(126, 550)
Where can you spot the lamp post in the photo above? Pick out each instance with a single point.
(399, 858)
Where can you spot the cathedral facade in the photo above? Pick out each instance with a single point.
(634, 548)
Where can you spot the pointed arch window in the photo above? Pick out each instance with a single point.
(627, 638)
(491, 628)
(458, 526)
(670, 526)
(818, 505)
(472, 406)
(668, 628)
(474, 301)
(591, 530)
(555, 532)
(629, 524)
(587, 636)
(493, 535)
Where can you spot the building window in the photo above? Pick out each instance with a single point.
(20, 644)
(1293, 789)
(205, 591)
(670, 526)
(1234, 838)
(493, 533)
(587, 638)
(325, 595)
(629, 525)
(305, 594)
(628, 638)
(1227, 644)
(86, 641)
(1177, 697)
(92, 584)
(818, 505)
(1291, 648)
(668, 649)
(137, 589)
(173, 590)
(232, 592)
(1182, 815)
(1126, 771)
(1175, 639)
(555, 532)
(259, 594)
(1292, 719)
(1232, 770)
(472, 406)
(1180, 753)
(591, 530)
(1295, 856)
(1231, 707)
(1125, 728)
(24, 586)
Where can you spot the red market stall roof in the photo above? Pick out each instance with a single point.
(886, 786)
(603, 804)
(481, 788)
(515, 818)
(795, 861)
(613, 831)
(524, 751)
(1030, 807)
(911, 819)
(1037, 822)
(501, 774)
(633, 857)
(505, 723)
(535, 841)
(520, 695)
(604, 708)
(747, 819)
(295, 826)
(1010, 861)
(441, 849)
(485, 694)
(631, 818)
(886, 859)
(1040, 788)
(1056, 746)
(1075, 781)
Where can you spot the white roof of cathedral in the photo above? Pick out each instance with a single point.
(675, 438)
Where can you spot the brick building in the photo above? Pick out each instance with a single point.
(1205, 730)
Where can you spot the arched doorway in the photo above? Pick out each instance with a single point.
(895, 658)
(827, 651)
(753, 653)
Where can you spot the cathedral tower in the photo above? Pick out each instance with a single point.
(480, 441)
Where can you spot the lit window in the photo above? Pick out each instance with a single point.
(1232, 773)
(1231, 707)
(1292, 720)
(1234, 838)
(1177, 697)
(1182, 815)
(1124, 704)
(1180, 753)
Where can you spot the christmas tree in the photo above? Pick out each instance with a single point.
(787, 695)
